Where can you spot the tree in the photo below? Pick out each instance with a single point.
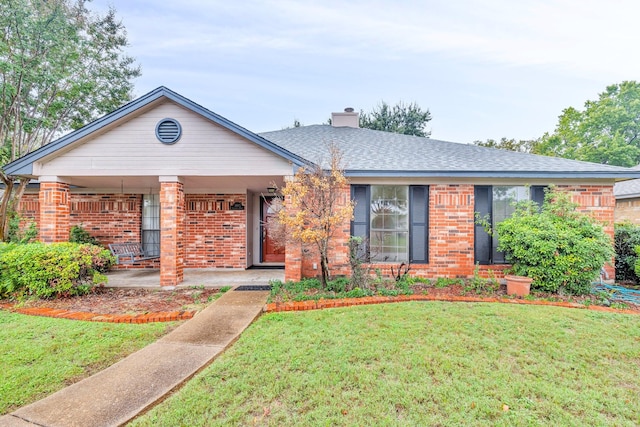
(607, 130)
(61, 66)
(296, 124)
(407, 119)
(521, 146)
(316, 209)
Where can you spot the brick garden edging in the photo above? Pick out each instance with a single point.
(165, 316)
(348, 302)
(162, 316)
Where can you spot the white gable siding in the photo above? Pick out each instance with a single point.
(205, 149)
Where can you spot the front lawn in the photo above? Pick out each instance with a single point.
(417, 363)
(40, 355)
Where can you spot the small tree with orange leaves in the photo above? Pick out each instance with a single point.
(315, 209)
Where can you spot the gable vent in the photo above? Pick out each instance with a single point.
(168, 131)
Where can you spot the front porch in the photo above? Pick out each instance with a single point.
(207, 277)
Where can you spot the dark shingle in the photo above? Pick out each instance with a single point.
(370, 152)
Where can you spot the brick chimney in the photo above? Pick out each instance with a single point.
(349, 119)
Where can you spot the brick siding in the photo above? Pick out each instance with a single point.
(599, 202)
(216, 236)
(451, 235)
(627, 210)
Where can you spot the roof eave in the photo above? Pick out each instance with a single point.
(627, 196)
(622, 175)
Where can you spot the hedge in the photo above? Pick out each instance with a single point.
(53, 270)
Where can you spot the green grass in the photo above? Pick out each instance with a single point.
(40, 355)
(420, 364)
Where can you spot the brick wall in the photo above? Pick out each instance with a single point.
(110, 218)
(300, 259)
(29, 208)
(627, 210)
(451, 234)
(451, 225)
(216, 236)
(599, 202)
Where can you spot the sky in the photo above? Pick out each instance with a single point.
(484, 69)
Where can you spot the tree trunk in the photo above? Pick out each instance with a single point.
(324, 265)
(9, 205)
(4, 207)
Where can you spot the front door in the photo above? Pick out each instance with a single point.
(270, 251)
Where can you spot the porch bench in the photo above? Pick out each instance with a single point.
(129, 253)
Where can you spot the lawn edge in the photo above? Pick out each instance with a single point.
(348, 302)
(161, 316)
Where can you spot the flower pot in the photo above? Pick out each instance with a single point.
(518, 285)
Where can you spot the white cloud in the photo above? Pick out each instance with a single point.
(586, 37)
(499, 67)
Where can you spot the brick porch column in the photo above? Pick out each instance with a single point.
(292, 254)
(54, 210)
(172, 220)
(293, 262)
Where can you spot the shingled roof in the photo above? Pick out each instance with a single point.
(369, 152)
(627, 189)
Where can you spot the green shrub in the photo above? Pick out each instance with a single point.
(45, 271)
(4, 247)
(480, 285)
(443, 282)
(358, 293)
(558, 247)
(627, 237)
(18, 235)
(339, 284)
(79, 235)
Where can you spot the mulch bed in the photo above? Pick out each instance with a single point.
(156, 305)
(120, 301)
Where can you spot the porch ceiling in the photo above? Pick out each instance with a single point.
(192, 184)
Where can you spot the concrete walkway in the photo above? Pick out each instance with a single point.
(207, 277)
(116, 395)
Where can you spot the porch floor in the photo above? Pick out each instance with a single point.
(207, 277)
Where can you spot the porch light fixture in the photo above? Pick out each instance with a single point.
(271, 190)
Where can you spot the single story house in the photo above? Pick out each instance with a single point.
(194, 189)
(627, 194)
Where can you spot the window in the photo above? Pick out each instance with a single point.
(151, 224)
(394, 219)
(389, 232)
(496, 203)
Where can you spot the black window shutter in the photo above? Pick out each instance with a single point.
(537, 194)
(360, 194)
(419, 224)
(482, 239)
